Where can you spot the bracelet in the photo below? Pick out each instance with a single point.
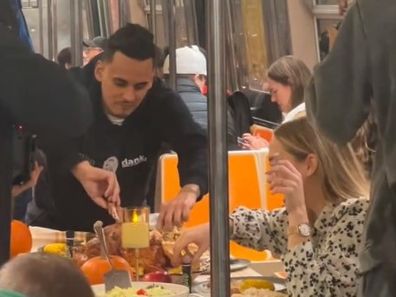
(191, 189)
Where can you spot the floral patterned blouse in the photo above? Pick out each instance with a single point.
(325, 265)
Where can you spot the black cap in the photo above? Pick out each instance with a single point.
(97, 41)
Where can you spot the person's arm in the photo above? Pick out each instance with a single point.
(16, 190)
(178, 128)
(100, 185)
(256, 229)
(331, 270)
(339, 95)
(260, 229)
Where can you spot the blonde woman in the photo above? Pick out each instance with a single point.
(318, 232)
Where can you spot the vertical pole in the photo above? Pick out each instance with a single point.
(76, 32)
(218, 157)
(5, 188)
(124, 12)
(41, 27)
(153, 20)
(171, 16)
(52, 29)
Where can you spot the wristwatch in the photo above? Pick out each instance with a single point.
(303, 230)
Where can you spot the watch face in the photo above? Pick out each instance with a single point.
(305, 230)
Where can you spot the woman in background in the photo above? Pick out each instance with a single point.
(287, 78)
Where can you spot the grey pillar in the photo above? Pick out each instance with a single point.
(76, 32)
(218, 157)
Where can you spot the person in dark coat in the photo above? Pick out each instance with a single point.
(190, 80)
(358, 77)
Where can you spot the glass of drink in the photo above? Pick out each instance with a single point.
(135, 231)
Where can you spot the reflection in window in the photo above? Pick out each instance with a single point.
(327, 2)
(256, 41)
(327, 31)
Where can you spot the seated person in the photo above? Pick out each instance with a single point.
(191, 81)
(319, 231)
(42, 275)
(17, 190)
(287, 78)
(92, 48)
(64, 58)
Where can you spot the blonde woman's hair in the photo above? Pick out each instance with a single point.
(292, 72)
(342, 173)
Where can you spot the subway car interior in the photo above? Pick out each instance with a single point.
(184, 148)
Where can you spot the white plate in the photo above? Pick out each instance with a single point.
(203, 288)
(180, 291)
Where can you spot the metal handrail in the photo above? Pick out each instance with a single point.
(76, 32)
(153, 19)
(169, 11)
(218, 157)
(52, 17)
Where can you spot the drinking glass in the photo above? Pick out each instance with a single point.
(135, 231)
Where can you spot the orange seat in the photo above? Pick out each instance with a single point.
(262, 131)
(247, 187)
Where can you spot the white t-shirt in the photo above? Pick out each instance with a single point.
(114, 120)
(295, 113)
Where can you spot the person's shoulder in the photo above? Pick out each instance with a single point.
(160, 94)
(160, 88)
(354, 206)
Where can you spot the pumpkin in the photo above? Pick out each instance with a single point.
(95, 268)
(21, 238)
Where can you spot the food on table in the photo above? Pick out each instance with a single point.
(135, 235)
(95, 268)
(253, 292)
(245, 287)
(157, 276)
(152, 291)
(21, 238)
(59, 249)
(154, 258)
(281, 274)
(254, 283)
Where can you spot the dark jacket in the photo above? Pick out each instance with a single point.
(195, 101)
(359, 76)
(40, 94)
(130, 150)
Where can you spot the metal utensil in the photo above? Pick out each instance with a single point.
(115, 277)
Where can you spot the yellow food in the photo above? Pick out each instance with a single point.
(56, 248)
(253, 292)
(256, 283)
(135, 235)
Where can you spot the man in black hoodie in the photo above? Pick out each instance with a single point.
(134, 114)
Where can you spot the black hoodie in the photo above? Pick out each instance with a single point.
(131, 150)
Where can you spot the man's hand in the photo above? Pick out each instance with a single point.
(17, 190)
(101, 185)
(177, 211)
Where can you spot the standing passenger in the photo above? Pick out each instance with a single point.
(359, 76)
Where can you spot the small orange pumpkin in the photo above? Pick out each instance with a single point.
(21, 238)
(95, 268)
